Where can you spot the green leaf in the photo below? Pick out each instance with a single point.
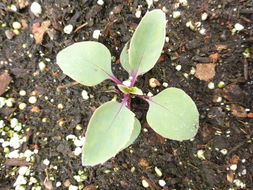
(147, 42)
(135, 133)
(130, 90)
(173, 114)
(109, 130)
(88, 62)
(124, 58)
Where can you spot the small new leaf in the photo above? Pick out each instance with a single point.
(173, 114)
(130, 90)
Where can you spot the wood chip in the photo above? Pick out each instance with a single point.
(48, 184)
(230, 176)
(35, 109)
(214, 57)
(205, 71)
(90, 187)
(238, 111)
(234, 159)
(39, 29)
(143, 162)
(17, 162)
(5, 80)
(220, 47)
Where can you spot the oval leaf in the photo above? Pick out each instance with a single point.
(88, 63)
(124, 58)
(135, 133)
(147, 42)
(173, 114)
(130, 90)
(109, 130)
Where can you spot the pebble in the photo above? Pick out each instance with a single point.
(60, 106)
(73, 187)
(96, 34)
(9, 34)
(58, 184)
(162, 183)
(9, 102)
(100, 2)
(200, 154)
(211, 85)
(150, 94)
(32, 100)
(184, 3)
(165, 84)
(36, 9)
(150, 3)
(176, 14)
(193, 71)
(239, 27)
(204, 16)
(42, 66)
(138, 12)
(202, 31)
(46, 162)
(153, 83)
(14, 8)
(22, 170)
(16, 32)
(145, 183)
(178, 67)
(233, 167)
(68, 29)
(224, 151)
(22, 93)
(22, 106)
(221, 84)
(158, 171)
(16, 25)
(77, 151)
(85, 95)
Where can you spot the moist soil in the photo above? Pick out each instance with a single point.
(219, 157)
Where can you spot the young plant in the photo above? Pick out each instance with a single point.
(113, 126)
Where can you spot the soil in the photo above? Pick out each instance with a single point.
(225, 134)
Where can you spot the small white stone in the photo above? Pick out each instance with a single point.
(9, 102)
(32, 100)
(178, 67)
(21, 180)
(150, 94)
(200, 154)
(204, 16)
(167, 39)
(85, 95)
(42, 66)
(219, 99)
(202, 31)
(22, 93)
(138, 12)
(78, 142)
(183, 2)
(58, 184)
(68, 29)
(2, 102)
(96, 34)
(162, 183)
(77, 151)
(176, 14)
(190, 25)
(150, 3)
(193, 71)
(244, 172)
(73, 187)
(239, 27)
(243, 160)
(186, 75)
(36, 9)
(16, 25)
(60, 106)
(158, 171)
(13, 154)
(22, 170)
(145, 183)
(233, 167)
(22, 106)
(165, 84)
(2, 124)
(14, 8)
(15, 142)
(224, 151)
(20, 187)
(100, 2)
(46, 162)
(71, 137)
(211, 85)
(32, 180)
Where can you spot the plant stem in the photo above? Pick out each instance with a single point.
(134, 75)
(146, 98)
(115, 80)
(126, 101)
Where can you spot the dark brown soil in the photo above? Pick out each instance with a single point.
(224, 126)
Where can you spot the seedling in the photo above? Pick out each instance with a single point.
(113, 126)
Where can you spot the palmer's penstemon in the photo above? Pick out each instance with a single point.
(113, 126)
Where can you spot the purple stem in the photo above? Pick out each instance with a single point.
(126, 101)
(146, 98)
(114, 79)
(134, 75)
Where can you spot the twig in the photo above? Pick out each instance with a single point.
(80, 27)
(67, 85)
